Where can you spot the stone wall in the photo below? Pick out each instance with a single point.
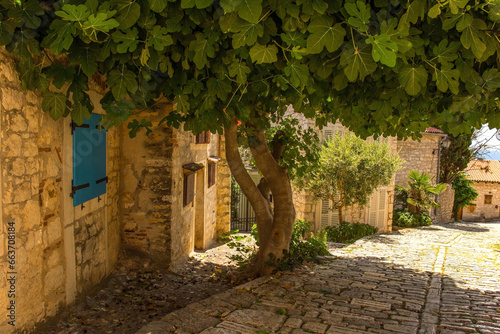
(445, 200)
(223, 182)
(61, 250)
(146, 201)
(420, 155)
(481, 210)
(194, 225)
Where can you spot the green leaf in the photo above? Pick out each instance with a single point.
(135, 126)
(120, 110)
(413, 79)
(122, 82)
(54, 104)
(249, 10)
(99, 23)
(60, 73)
(491, 79)
(219, 88)
(182, 103)
(127, 42)
(157, 5)
(383, 49)
(160, 38)
(79, 86)
(25, 43)
(324, 35)
(247, 34)
(413, 12)
(63, 35)
(188, 3)
(200, 4)
(397, 36)
(262, 54)
(86, 57)
(203, 49)
(464, 21)
(360, 15)
(73, 13)
(79, 112)
(447, 77)
(358, 62)
(128, 12)
(6, 32)
(297, 72)
(434, 11)
(239, 70)
(494, 12)
(27, 13)
(446, 53)
(456, 5)
(473, 37)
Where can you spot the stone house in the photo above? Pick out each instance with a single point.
(486, 177)
(72, 197)
(423, 156)
(418, 155)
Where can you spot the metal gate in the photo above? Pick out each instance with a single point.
(242, 214)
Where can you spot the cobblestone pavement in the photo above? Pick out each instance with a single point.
(438, 279)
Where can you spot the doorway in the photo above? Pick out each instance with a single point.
(199, 219)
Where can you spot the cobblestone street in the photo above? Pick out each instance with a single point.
(437, 279)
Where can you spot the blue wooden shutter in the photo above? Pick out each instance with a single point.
(89, 160)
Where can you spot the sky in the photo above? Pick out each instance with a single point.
(494, 153)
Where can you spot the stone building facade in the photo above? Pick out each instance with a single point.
(486, 177)
(61, 250)
(423, 156)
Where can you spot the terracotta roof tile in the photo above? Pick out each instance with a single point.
(433, 130)
(484, 171)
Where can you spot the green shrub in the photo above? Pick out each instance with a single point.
(405, 218)
(301, 248)
(348, 232)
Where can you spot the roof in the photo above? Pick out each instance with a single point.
(484, 171)
(433, 130)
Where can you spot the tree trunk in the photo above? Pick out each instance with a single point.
(274, 224)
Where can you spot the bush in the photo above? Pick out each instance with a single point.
(348, 232)
(302, 249)
(405, 218)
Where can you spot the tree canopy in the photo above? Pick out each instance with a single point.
(382, 67)
(349, 169)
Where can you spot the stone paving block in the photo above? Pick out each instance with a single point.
(315, 327)
(190, 321)
(372, 304)
(403, 329)
(293, 322)
(343, 330)
(157, 327)
(233, 327)
(217, 331)
(259, 319)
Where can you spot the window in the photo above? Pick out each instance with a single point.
(212, 167)
(471, 208)
(203, 138)
(188, 188)
(89, 160)
(488, 199)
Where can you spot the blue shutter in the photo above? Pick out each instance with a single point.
(89, 161)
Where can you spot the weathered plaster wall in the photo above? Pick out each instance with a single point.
(223, 183)
(61, 251)
(445, 200)
(146, 185)
(482, 210)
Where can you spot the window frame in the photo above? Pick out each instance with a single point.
(212, 174)
(488, 199)
(188, 188)
(203, 138)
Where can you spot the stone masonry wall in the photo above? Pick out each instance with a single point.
(483, 210)
(188, 229)
(58, 247)
(445, 200)
(418, 156)
(147, 188)
(223, 182)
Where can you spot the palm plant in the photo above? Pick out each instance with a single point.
(420, 192)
